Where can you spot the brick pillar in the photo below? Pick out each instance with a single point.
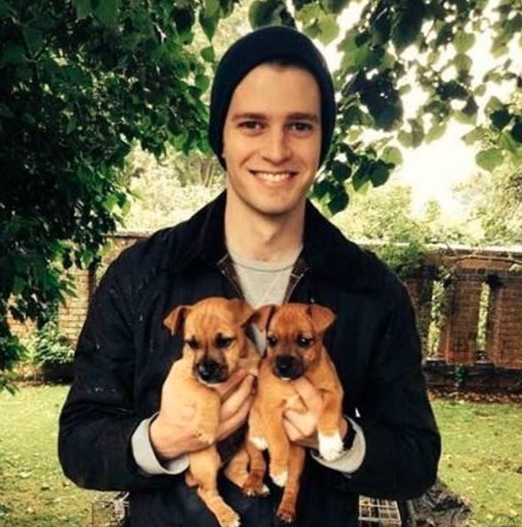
(505, 342)
(459, 332)
(421, 290)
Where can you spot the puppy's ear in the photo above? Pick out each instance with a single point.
(242, 310)
(262, 316)
(322, 317)
(175, 320)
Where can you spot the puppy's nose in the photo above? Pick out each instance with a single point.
(210, 371)
(288, 367)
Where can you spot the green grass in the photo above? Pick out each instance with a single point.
(33, 490)
(482, 461)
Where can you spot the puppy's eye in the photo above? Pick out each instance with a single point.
(271, 340)
(223, 342)
(192, 343)
(304, 342)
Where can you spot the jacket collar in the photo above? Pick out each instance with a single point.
(326, 250)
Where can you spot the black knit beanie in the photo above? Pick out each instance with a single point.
(263, 45)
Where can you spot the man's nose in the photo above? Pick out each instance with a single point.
(276, 148)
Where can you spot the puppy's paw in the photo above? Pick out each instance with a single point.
(330, 446)
(230, 519)
(259, 442)
(207, 438)
(280, 478)
(254, 486)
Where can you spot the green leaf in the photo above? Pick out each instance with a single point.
(33, 38)
(107, 11)
(209, 18)
(463, 41)
(339, 201)
(265, 12)
(462, 62)
(477, 134)
(500, 118)
(208, 54)
(379, 173)
(13, 54)
(392, 155)
(341, 171)
(407, 23)
(489, 159)
(202, 82)
(334, 6)
(83, 8)
(405, 139)
(436, 132)
(322, 188)
(360, 177)
(516, 132)
(328, 29)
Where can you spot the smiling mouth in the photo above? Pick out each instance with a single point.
(273, 177)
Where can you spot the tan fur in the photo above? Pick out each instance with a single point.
(286, 323)
(203, 323)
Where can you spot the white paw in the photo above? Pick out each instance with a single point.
(265, 491)
(330, 447)
(259, 442)
(280, 479)
(235, 522)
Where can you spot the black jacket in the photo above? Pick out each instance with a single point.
(124, 354)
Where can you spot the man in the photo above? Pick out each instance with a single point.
(272, 116)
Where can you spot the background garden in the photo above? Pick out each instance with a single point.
(102, 129)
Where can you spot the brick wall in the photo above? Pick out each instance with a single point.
(466, 275)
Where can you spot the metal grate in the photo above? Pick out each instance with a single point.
(110, 511)
(382, 513)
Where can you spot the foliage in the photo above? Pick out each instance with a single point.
(169, 190)
(393, 45)
(49, 346)
(383, 219)
(80, 81)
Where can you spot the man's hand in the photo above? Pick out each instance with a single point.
(301, 428)
(174, 432)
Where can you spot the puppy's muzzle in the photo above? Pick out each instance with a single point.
(288, 367)
(211, 371)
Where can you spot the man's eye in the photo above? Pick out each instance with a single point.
(250, 125)
(223, 342)
(301, 127)
(192, 343)
(304, 342)
(271, 340)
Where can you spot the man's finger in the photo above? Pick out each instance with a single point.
(232, 423)
(237, 399)
(226, 388)
(310, 395)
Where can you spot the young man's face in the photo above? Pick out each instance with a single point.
(272, 140)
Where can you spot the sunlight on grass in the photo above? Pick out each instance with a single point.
(482, 461)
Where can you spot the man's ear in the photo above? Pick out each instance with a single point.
(322, 317)
(242, 310)
(175, 320)
(261, 317)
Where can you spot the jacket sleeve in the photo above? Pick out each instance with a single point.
(98, 418)
(402, 439)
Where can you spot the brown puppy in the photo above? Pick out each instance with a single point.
(215, 346)
(294, 348)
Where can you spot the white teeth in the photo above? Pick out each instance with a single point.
(272, 177)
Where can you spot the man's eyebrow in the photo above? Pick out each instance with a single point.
(303, 116)
(295, 116)
(249, 115)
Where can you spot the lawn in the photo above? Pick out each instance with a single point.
(482, 461)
